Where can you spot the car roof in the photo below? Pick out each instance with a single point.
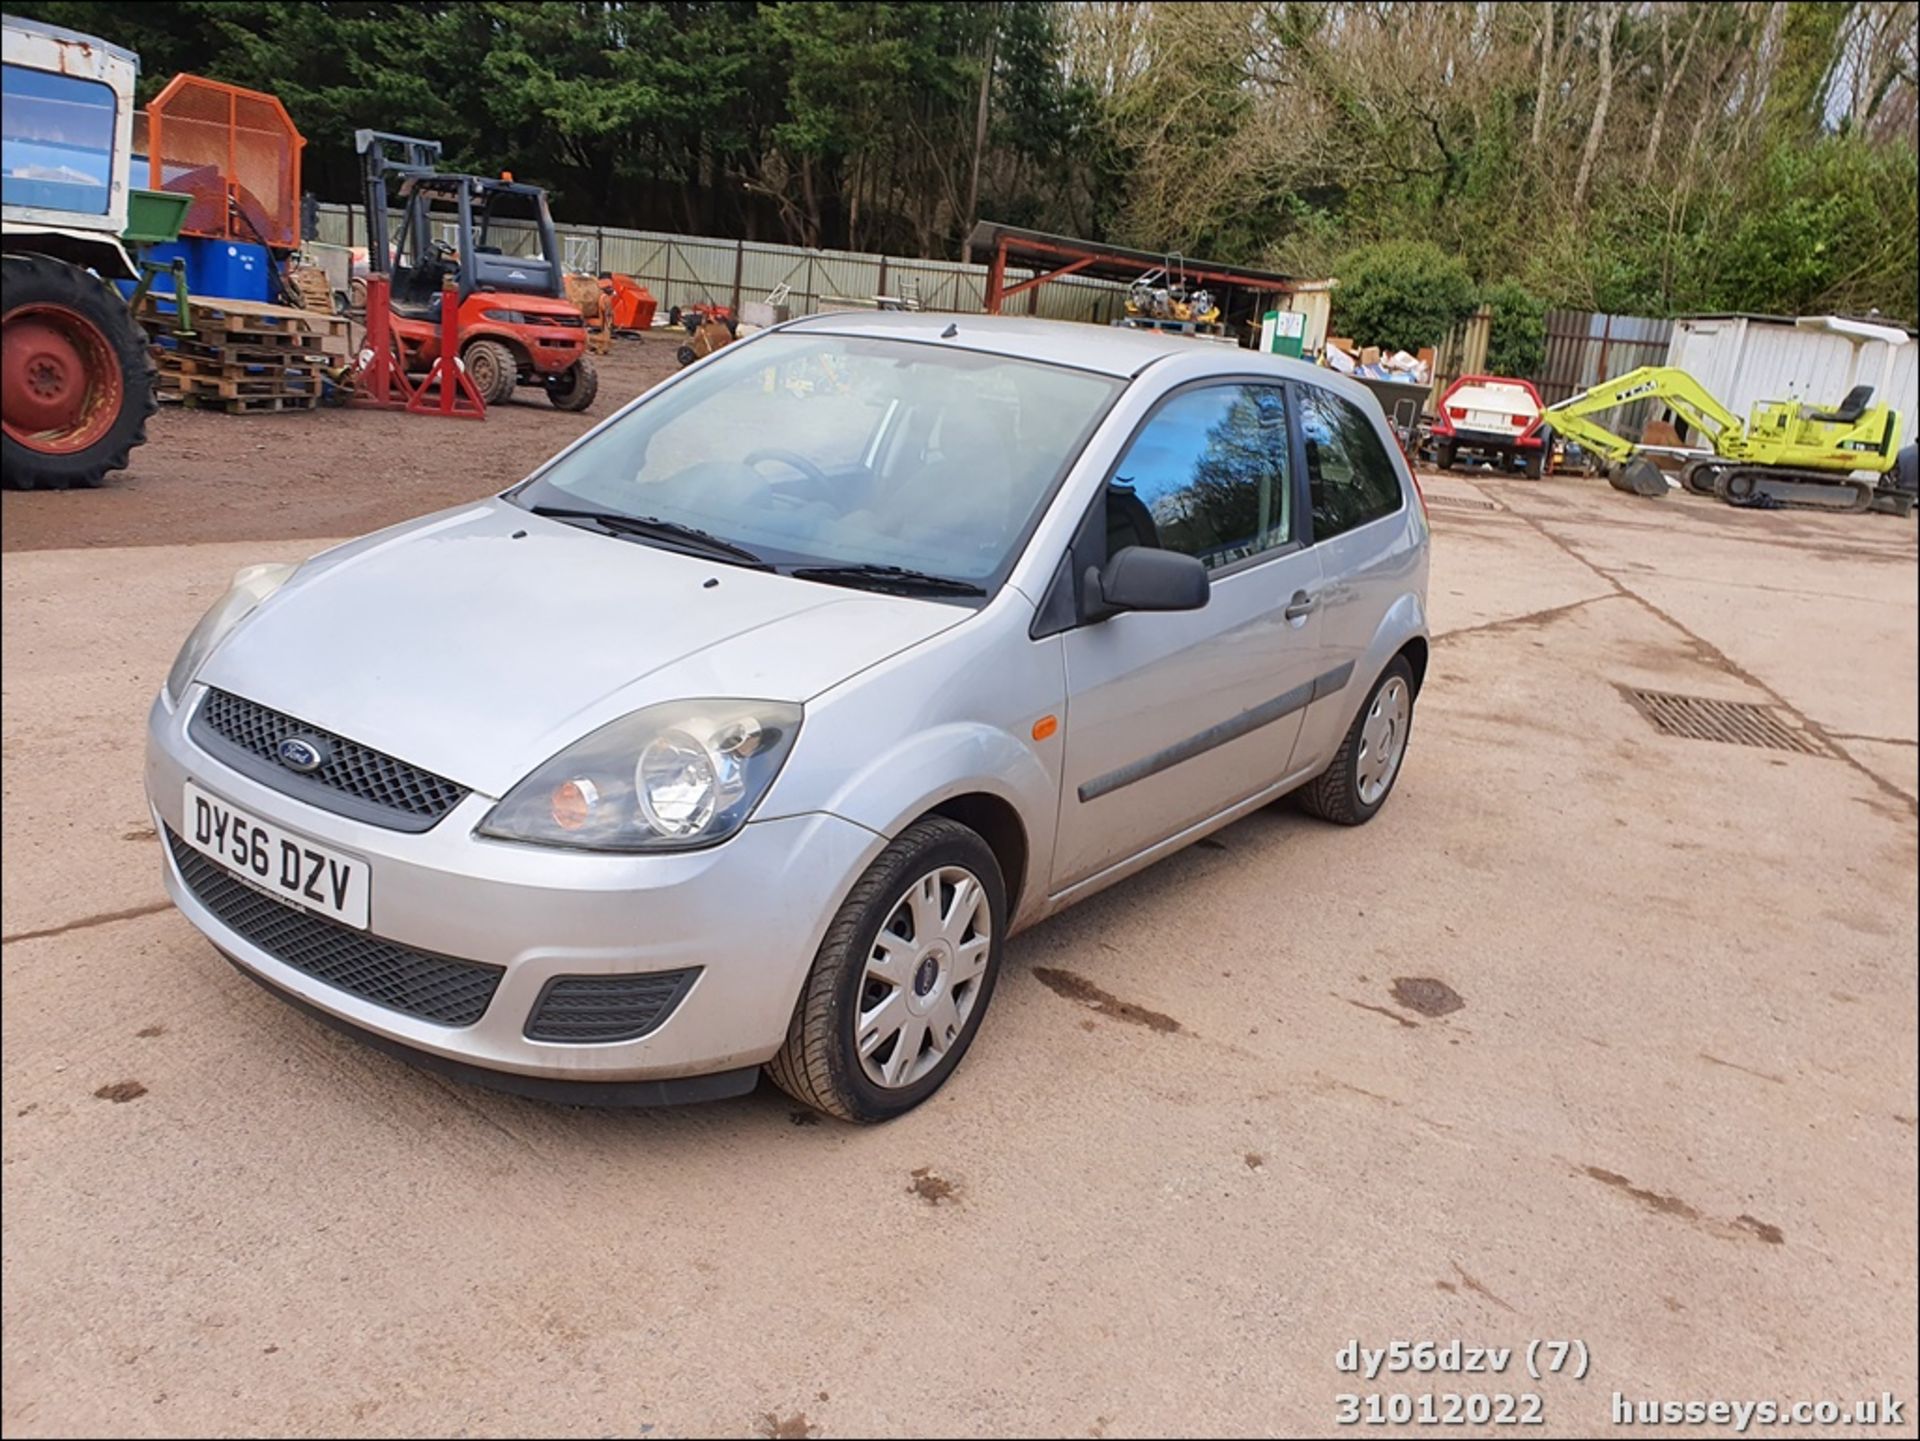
(1105, 349)
(1108, 349)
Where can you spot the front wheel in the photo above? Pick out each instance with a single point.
(575, 387)
(902, 980)
(492, 369)
(1351, 791)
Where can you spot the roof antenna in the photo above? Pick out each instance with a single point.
(951, 331)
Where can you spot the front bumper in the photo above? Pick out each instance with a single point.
(749, 913)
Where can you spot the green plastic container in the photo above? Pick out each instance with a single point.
(154, 216)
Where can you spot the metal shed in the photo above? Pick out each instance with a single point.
(1243, 292)
(1745, 358)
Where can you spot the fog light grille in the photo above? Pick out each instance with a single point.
(607, 1008)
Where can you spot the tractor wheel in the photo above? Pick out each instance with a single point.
(492, 369)
(575, 387)
(76, 378)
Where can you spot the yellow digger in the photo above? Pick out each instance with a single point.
(1786, 454)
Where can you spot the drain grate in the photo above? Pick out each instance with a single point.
(1740, 723)
(1457, 502)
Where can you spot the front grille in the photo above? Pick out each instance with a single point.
(418, 983)
(352, 780)
(607, 1008)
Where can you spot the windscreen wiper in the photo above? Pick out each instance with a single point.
(887, 577)
(652, 527)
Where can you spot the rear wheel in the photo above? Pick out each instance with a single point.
(1351, 791)
(902, 980)
(1533, 464)
(76, 378)
(575, 387)
(492, 369)
(1443, 454)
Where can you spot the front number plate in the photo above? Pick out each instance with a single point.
(286, 866)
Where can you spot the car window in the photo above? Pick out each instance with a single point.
(1350, 476)
(1206, 475)
(818, 449)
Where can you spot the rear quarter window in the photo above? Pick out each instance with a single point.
(1350, 476)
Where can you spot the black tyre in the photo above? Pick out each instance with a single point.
(78, 379)
(1443, 454)
(685, 356)
(492, 369)
(903, 979)
(575, 387)
(1351, 791)
(1533, 463)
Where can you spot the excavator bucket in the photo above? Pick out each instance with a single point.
(1638, 476)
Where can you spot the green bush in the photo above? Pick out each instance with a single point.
(1401, 294)
(1517, 341)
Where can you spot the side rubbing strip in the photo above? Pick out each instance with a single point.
(1264, 714)
(1332, 681)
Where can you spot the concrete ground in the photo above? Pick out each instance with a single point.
(1673, 1117)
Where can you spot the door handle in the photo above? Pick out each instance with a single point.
(1300, 606)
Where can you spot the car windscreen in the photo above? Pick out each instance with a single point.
(828, 450)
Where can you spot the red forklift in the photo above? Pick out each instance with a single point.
(516, 325)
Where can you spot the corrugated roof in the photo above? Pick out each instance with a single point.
(1117, 262)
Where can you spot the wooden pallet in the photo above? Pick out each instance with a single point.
(225, 387)
(250, 404)
(246, 359)
(247, 324)
(184, 352)
(316, 292)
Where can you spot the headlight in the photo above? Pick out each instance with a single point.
(251, 585)
(670, 777)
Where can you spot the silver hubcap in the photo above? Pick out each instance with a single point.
(1383, 740)
(923, 976)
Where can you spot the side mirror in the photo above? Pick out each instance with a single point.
(1143, 578)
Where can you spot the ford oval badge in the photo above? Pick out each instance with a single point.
(301, 754)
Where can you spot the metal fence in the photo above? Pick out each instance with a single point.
(1585, 347)
(686, 270)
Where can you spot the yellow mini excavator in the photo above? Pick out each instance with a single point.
(1786, 454)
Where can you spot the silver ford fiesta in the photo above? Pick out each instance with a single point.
(745, 732)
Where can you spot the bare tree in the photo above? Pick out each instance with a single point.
(1541, 92)
(1673, 69)
(980, 136)
(1607, 15)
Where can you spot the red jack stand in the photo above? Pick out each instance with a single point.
(458, 396)
(380, 375)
